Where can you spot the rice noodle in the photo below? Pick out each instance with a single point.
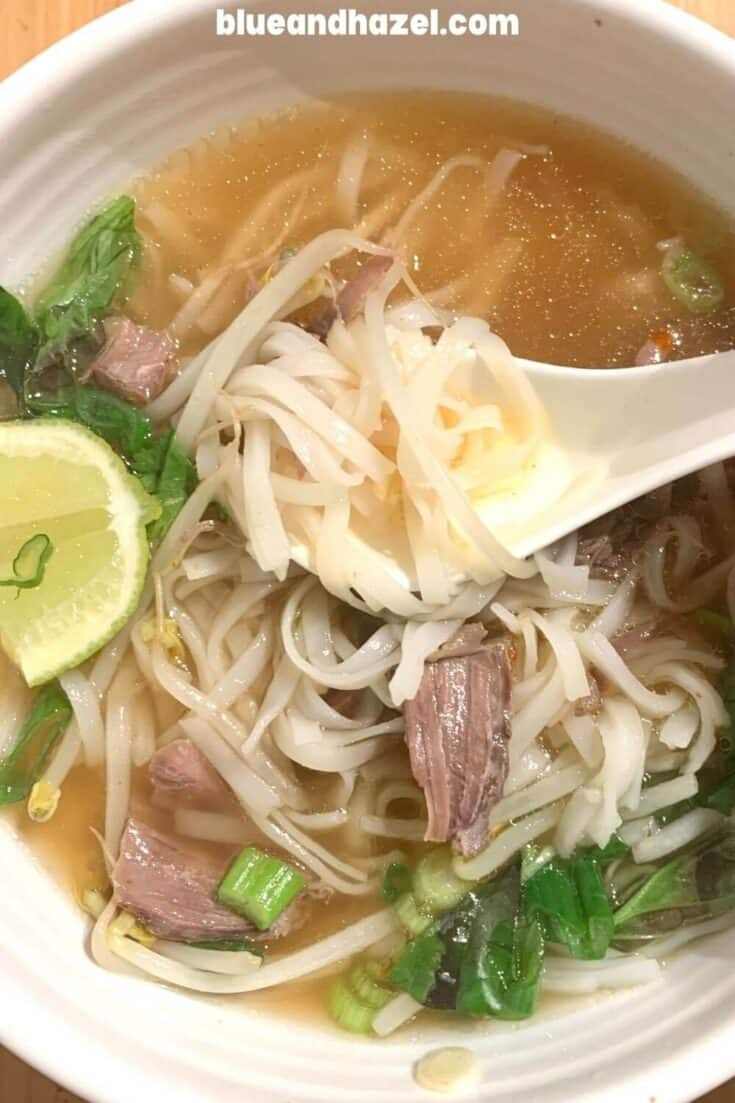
(665, 794)
(418, 642)
(585, 977)
(545, 791)
(502, 848)
(228, 349)
(676, 835)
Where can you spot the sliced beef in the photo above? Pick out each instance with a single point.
(181, 774)
(351, 298)
(169, 884)
(136, 362)
(632, 638)
(171, 888)
(457, 732)
(610, 545)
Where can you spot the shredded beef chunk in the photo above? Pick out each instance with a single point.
(610, 545)
(457, 731)
(136, 362)
(172, 889)
(351, 298)
(170, 885)
(181, 774)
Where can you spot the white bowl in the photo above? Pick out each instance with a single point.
(77, 123)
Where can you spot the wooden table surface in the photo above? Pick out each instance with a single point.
(28, 26)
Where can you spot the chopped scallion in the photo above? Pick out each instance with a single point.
(413, 917)
(348, 1011)
(259, 887)
(415, 970)
(692, 280)
(396, 880)
(435, 884)
(366, 982)
(29, 565)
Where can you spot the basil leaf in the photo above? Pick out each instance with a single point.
(569, 900)
(505, 981)
(396, 880)
(415, 970)
(158, 461)
(48, 718)
(175, 482)
(696, 885)
(18, 342)
(94, 272)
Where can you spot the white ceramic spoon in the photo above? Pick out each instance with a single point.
(626, 431)
(621, 432)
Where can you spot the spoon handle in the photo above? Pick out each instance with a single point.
(630, 430)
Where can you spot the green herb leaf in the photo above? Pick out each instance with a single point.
(158, 461)
(493, 907)
(396, 880)
(506, 981)
(29, 565)
(534, 858)
(348, 1010)
(692, 280)
(120, 423)
(174, 484)
(48, 718)
(716, 791)
(18, 342)
(613, 848)
(569, 900)
(415, 970)
(483, 958)
(94, 272)
(666, 887)
(695, 885)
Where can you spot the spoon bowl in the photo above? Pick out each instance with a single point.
(626, 431)
(619, 433)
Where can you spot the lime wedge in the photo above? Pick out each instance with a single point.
(59, 480)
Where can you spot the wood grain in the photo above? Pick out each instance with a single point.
(29, 26)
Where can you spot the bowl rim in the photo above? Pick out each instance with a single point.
(693, 1069)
